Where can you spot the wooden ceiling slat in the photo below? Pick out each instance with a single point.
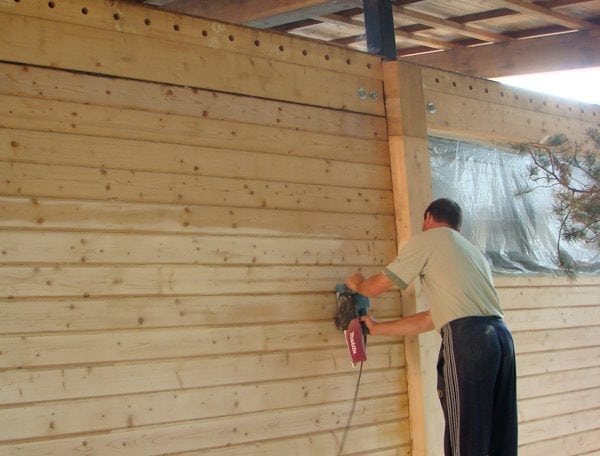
(547, 13)
(462, 29)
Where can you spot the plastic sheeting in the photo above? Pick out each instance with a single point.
(518, 234)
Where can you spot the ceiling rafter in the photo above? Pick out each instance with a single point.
(476, 32)
(535, 55)
(553, 16)
(448, 24)
(430, 42)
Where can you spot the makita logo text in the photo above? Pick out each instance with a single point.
(353, 343)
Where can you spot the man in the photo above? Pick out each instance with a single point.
(476, 366)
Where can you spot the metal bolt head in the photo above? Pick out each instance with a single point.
(362, 93)
(373, 96)
(431, 107)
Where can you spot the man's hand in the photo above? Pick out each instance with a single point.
(354, 281)
(371, 324)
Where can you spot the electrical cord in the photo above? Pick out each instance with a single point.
(345, 434)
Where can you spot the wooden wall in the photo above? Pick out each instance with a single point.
(178, 200)
(555, 322)
(556, 326)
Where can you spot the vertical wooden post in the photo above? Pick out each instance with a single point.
(411, 177)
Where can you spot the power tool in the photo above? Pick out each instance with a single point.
(350, 307)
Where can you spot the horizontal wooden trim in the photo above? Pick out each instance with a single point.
(556, 339)
(52, 181)
(556, 383)
(565, 403)
(27, 146)
(42, 42)
(459, 86)
(572, 444)
(394, 435)
(541, 362)
(556, 426)
(68, 315)
(74, 118)
(72, 382)
(466, 118)
(118, 412)
(155, 218)
(82, 281)
(525, 281)
(21, 247)
(139, 20)
(153, 344)
(553, 318)
(196, 435)
(60, 85)
(583, 293)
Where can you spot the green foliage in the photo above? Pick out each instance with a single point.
(572, 171)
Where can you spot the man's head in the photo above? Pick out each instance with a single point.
(442, 212)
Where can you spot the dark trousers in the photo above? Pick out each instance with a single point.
(477, 387)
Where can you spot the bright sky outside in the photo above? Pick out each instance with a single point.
(581, 85)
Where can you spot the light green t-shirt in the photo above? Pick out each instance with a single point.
(455, 275)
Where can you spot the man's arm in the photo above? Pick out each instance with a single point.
(373, 286)
(408, 326)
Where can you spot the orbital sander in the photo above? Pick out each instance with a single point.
(350, 307)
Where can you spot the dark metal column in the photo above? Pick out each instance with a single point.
(379, 24)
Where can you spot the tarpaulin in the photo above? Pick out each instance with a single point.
(516, 231)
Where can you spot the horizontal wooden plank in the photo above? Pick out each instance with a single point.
(120, 412)
(577, 443)
(565, 403)
(154, 344)
(222, 432)
(556, 339)
(29, 146)
(554, 361)
(551, 383)
(34, 82)
(523, 281)
(77, 118)
(20, 386)
(393, 435)
(42, 42)
(583, 293)
(558, 426)
(552, 318)
(114, 216)
(123, 248)
(225, 37)
(32, 180)
(455, 115)
(23, 281)
(19, 316)
(488, 91)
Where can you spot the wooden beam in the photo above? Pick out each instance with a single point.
(411, 182)
(260, 13)
(552, 53)
(547, 13)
